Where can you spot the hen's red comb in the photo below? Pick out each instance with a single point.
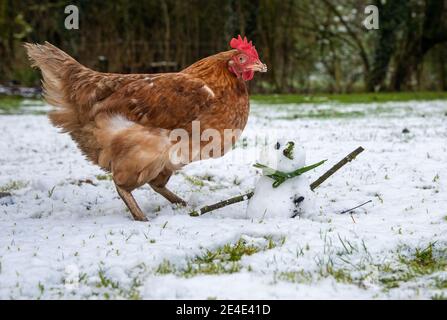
(243, 45)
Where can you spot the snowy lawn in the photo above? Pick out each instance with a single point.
(64, 233)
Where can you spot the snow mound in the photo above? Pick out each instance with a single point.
(293, 198)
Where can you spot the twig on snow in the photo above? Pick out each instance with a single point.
(352, 209)
(5, 194)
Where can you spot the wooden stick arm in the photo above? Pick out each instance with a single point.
(222, 204)
(336, 167)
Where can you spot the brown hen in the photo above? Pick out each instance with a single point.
(124, 122)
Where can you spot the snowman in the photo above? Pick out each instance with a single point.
(275, 197)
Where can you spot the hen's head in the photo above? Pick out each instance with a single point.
(245, 61)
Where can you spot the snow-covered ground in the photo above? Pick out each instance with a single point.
(64, 233)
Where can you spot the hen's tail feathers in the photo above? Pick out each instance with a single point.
(53, 63)
(57, 67)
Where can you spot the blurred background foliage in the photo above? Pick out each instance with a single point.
(310, 46)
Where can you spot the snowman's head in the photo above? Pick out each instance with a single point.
(284, 155)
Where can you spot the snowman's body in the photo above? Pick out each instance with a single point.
(293, 198)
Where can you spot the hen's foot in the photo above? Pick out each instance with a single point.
(169, 195)
(130, 202)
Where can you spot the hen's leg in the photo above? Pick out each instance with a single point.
(159, 186)
(130, 202)
(169, 195)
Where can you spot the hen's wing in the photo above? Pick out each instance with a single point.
(166, 101)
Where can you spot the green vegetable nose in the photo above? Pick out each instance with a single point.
(288, 151)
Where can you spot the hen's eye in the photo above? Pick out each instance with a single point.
(277, 146)
(242, 59)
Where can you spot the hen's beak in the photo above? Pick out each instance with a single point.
(259, 66)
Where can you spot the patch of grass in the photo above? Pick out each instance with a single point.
(13, 185)
(415, 266)
(439, 296)
(349, 98)
(194, 181)
(215, 267)
(102, 177)
(272, 243)
(427, 261)
(421, 262)
(229, 252)
(223, 260)
(10, 103)
(396, 278)
(165, 268)
(348, 248)
(340, 275)
(441, 283)
(41, 288)
(295, 276)
(51, 192)
(15, 104)
(324, 114)
(106, 282)
(115, 289)
(205, 181)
